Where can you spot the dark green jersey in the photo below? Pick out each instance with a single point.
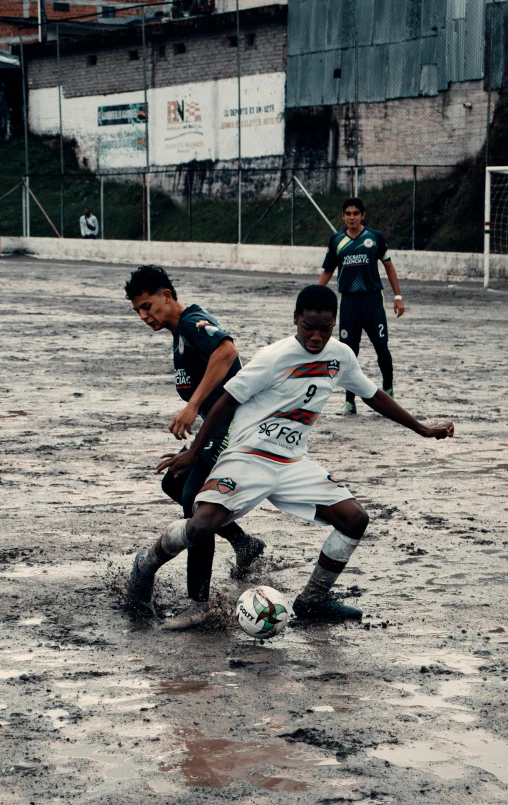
(198, 335)
(357, 260)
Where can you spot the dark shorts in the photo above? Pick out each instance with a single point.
(362, 311)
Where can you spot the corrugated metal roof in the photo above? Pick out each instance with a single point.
(406, 48)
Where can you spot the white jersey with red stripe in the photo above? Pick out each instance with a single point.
(283, 390)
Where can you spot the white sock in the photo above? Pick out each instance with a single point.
(174, 538)
(335, 553)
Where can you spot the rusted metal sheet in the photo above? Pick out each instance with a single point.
(405, 48)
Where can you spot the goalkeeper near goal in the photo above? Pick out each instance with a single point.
(355, 252)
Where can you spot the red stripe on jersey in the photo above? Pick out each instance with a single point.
(298, 415)
(270, 456)
(316, 369)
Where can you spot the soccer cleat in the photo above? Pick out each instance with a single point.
(389, 392)
(347, 409)
(246, 551)
(329, 610)
(195, 614)
(140, 589)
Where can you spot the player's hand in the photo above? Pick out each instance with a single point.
(164, 462)
(182, 462)
(181, 425)
(398, 307)
(444, 430)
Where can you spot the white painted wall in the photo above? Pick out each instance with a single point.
(186, 122)
(445, 266)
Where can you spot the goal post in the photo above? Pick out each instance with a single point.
(495, 238)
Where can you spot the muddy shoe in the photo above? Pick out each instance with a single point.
(348, 409)
(140, 589)
(246, 551)
(194, 615)
(329, 610)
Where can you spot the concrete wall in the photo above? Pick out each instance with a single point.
(445, 266)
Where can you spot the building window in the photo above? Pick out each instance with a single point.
(233, 41)
(133, 55)
(337, 73)
(251, 40)
(60, 6)
(178, 48)
(108, 11)
(91, 60)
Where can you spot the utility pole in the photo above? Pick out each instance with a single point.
(41, 20)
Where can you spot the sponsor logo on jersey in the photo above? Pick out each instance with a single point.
(223, 485)
(207, 327)
(333, 368)
(368, 242)
(356, 260)
(182, 379)
(181, 345)
(301, 415)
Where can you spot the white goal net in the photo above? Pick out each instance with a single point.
(496, 217)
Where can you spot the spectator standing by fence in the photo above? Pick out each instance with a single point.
(89, 225)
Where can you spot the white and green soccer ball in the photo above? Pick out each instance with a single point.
(262, 612)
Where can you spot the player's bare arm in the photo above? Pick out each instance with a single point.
(385, 405)
(219, 365)
(223, 410)
(325, 277)
(398, 304)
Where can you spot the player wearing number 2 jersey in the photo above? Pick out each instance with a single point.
(355, 253)
(276, 400)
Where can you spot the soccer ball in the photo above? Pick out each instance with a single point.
(262, 612)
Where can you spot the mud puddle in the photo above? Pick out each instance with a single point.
(216, 763)
(450, 752)
(451, 689)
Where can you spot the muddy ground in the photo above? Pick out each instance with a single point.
(408, 706)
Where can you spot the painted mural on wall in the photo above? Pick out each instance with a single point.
(125, 146)
(186, 122)
(202, 119)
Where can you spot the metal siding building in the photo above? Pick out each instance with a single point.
(404, 48)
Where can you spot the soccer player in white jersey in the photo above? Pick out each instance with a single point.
(276, 400)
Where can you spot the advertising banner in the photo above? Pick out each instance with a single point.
(125, 147)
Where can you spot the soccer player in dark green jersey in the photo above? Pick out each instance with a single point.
(355, 253)
(204, 359)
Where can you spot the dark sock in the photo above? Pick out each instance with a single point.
(233, 533)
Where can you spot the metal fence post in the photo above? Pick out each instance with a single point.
(489, 83)
(190, 177)
(26, 196)
(147, 234)
(413, 225)
(102, 207)
(239, 116)
(293, 211)
(62, 215)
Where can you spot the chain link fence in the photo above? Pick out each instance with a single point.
(394, 104)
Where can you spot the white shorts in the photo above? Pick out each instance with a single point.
(239, 483)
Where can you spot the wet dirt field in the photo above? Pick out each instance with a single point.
(410, 706)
